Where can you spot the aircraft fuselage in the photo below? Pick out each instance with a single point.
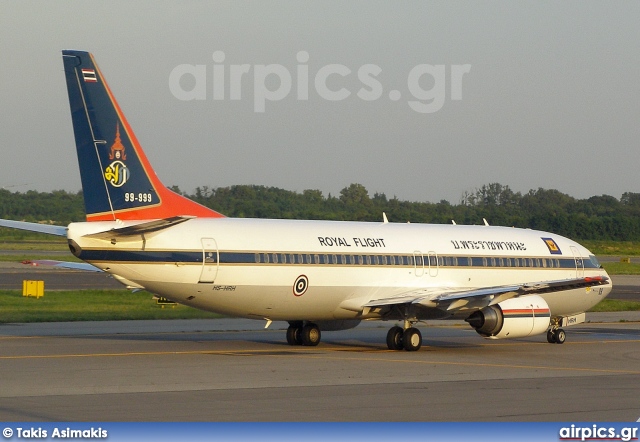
(325, 270)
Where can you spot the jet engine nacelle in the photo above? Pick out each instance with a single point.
(513, 318)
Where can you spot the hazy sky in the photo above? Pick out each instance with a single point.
(551, 97)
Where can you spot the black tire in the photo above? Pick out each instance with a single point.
(310, 335)
(561, 336)
(412, 339)
(294, 335)
(551, 337)
(394, 338)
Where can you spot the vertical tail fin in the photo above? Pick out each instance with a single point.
(117, 179)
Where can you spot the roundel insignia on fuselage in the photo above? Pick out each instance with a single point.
(301, 285)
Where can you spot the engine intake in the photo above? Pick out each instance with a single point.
(513, 318)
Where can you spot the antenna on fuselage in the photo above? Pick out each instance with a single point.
(384, 218)
(485, 222)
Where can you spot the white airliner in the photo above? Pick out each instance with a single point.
(317, 275)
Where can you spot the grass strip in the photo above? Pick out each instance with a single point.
(616, 305)
(621, 268)
(615, 248)
(90, 305)
(111, 305)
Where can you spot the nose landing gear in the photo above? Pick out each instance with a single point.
(556, 336)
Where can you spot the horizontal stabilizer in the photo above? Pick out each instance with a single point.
(34, 227)
(64, 265)
(139, 229)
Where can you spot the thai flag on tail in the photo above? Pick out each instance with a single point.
(89, 75)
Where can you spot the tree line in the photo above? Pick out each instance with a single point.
(598, 217)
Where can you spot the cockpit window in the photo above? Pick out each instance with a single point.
(594, 261)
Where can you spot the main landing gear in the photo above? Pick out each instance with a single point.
(408, 338)
(299, 334)
(556, 336)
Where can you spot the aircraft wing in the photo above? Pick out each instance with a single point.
(34, 227)
(454, 299)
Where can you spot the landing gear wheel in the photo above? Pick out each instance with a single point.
(394, 338)
(310, 335)
(294, 335)
(412, 339)
(551, 337)
(561, 336)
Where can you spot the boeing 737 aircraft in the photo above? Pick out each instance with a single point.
(317, 275)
